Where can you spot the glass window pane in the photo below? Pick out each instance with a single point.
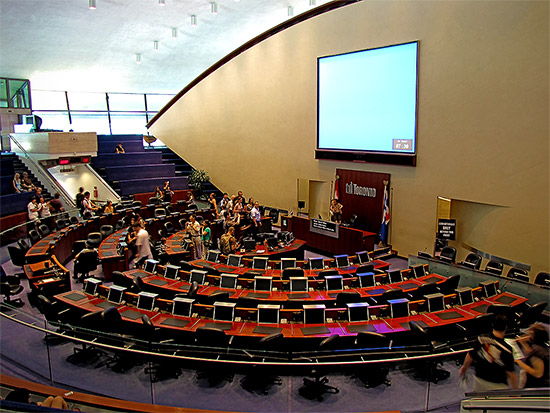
(87, 101)
(48, 100)
(157, 102)
(3, 93)
(19, 93)
(90, 122)
(54, 120)
(128, 123)
(126, 102)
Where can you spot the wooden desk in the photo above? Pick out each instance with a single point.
(47, 277)
(108, 252)
(350, 240)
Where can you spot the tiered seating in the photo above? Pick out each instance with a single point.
(137, 170)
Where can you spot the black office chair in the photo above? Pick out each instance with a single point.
(193, 290)
(17, 257)
(87, 215)
(160, 212)
(506, 310)
(518, 274)
(164, 368)
(74, 220)
(119, 224)
(274, 214)
(324, 273)
(532, 314)
(494, 267)
(365, 268)
(43, 230)
(472, 261)
(169, 227)
(137, 285)
(346, 297)
(182, 223)
(257, 380)
(8, 291)
(449, 285)
(34, 236)
(422, 290)
(24, 245)
(353, 221)
(292, 272)
(106, 230)
(448, 254)
(78, 246)
(85, 263)
(172, 211)
(543, 279)
(372, 375)
(94, 239)
(56, 316)
(392, 294)
(319, 387)
(136, 205)
(213, 341)
(120, 279)
(112, 324)
(61, 223)
(153, 201)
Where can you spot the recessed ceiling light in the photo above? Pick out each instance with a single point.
(91, 4)
(162, 2)
(174, 32)
(214, 7)
(155, 45)
(193, 20)
(138, 58)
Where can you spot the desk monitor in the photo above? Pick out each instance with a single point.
(418, 270)
(399, 307)
(268, 313)
(436, 302)
(186, 244)
(182, 306)
(488, 288)
(363, 257)
(146, 301)
(465, 295)
(272, 241)
(213, 256)
(316, 263)
(262, 283)
(150, 266)
(259, 263)
(298, 284)
(171, 272)
(91, 285)
(358, 312)
(334, 282)
(288, 263)
(249, 244)
(366, 280)
(342, 261)
(228, 281)
(198, 275)
(314, 313)
(234, 260)
(115, 294)
(395, 276)
(224, 311)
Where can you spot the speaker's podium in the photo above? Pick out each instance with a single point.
(327, 236)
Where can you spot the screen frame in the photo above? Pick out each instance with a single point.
(354, 155)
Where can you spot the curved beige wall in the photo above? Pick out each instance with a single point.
(483, 122)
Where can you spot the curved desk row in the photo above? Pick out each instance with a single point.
(162, 318)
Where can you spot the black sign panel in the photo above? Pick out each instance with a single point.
(446, 229)
(328, 228)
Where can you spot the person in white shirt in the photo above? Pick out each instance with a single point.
(193, 228)
(88, 204)
(256, 217)
(33, 209)
(44, 208)
(142, 243)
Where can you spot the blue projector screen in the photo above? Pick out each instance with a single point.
(367, 104)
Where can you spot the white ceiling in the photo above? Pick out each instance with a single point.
(63, 45)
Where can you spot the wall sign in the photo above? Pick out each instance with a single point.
(446, 229)
(327, 228)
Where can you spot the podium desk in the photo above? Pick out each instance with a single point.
(349, 240)
(47, 277)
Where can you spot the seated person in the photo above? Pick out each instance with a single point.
(26, 183)
(17, 183)
(119, 148)
(109, 209)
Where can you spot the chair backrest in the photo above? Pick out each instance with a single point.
(74, 220)
(494, 267)
(449, 253)
(44, 230)
(472, 260)
(160, 212)
(94, 239)
(34, 236)
(106, 230)
(542, 278)
(182, 223)
(61, 223)
(17, 255)
(292, 272)
(450, 284)
(274, 214)
(88, 260)
(518, 274)
(136, 204)
(169, 227)
(23, 245)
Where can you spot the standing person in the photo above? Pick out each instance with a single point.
(158, 194)
(17, 183)
(493, 360)
(256, 217)
(224, 201)
(56, 204)
(193, 228)
(206, 238)
(87, 203)
(535, 364)
(336, 211)
(228, 243)
(142, 242)
(33, 209)
(79, 198)
(167, 192)
(214, 204)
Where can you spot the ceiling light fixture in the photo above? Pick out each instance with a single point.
(155, 45)
(91, 4)
(162, 2)
(174, 32)
(214, 7)
(290, 11)
(138, 58)
(312, 2)
(193, 20)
